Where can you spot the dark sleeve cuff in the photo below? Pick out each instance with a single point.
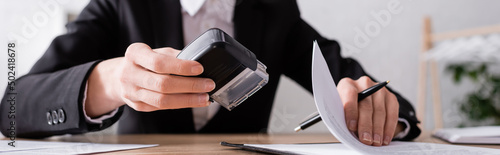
(407, 112)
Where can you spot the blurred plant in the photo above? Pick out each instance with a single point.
(483, 103)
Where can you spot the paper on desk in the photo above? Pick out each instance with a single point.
(470, 135)
(412, 148)
(331, 109)
(43, 147)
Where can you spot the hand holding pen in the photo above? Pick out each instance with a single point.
(372, 114)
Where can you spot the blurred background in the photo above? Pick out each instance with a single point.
(385, 36)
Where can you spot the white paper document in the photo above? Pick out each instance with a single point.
(331, 109)
(26, 147)
(406, 148)
(469, 135)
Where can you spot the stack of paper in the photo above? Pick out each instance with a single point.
(331, 109)
(40, 147)
(471, 135)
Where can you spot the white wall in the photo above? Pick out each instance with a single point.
(392, 54)
(32, 24)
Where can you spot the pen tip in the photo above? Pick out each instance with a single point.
(387, 81)
(297, 129)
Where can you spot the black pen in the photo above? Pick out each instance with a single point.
(362, 95)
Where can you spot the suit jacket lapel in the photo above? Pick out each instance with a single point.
(248, 25)
(167, 23)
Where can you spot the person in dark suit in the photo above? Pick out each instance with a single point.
(118, 61)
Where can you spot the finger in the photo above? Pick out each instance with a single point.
(142, 55)
(365, 125)
(379, 116)
(140, 106)
(349, 96)
(172, 101)
(171, 83)
(128, 89)
(392, 108)
(167, 51)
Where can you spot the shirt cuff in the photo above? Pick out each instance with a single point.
(97, 120)
(405, 132)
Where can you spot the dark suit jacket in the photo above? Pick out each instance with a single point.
(273, 30)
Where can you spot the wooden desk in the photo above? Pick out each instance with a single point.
(209, 143)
